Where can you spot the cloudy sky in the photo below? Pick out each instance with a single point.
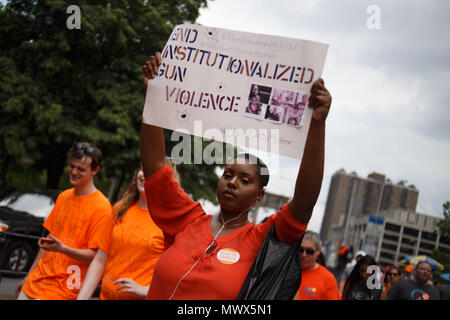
(390, 86)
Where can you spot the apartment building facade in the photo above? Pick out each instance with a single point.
(378, 216)
(352, 196)
(391, 236)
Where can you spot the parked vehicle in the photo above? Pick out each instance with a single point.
(21, 217)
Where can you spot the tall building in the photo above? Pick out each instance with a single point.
(391, 236)
(353, 196)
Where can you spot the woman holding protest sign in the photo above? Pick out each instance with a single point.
(210, 256)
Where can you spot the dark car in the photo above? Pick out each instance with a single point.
(21, 217)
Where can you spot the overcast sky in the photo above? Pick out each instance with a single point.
(390, 87)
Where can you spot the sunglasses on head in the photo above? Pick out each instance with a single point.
(88, 150)
(308, 251)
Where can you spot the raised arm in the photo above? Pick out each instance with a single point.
(152, 137)
(309, 179)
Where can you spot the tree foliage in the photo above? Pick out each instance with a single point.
(444, 230)
(444, 225)
(58, 86)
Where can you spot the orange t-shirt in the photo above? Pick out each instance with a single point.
(218, 274)
(318, 284)
(76, 221)
(136, 244)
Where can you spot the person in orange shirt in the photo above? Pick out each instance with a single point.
(210, 256)
(74, 226)
(317, 282)
(136, 244)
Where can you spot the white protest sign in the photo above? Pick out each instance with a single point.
(246, 89)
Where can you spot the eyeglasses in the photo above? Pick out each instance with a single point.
(88, 150)
(393, 274)
(308, 251)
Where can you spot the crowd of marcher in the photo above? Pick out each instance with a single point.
(157, 243)
(363, 278)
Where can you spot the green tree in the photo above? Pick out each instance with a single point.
(444, 225)
(58, 86)
(444, 230)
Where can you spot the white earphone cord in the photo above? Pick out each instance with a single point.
(214, 240)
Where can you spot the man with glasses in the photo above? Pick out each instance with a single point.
(75, 226)
(417, 287)
(317, 282)
(392, 276)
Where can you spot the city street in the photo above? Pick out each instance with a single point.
(7, 287)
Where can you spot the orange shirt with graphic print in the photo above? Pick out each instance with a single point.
(219, 273)
(318, 284)
(77, 221)
(136, 244)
